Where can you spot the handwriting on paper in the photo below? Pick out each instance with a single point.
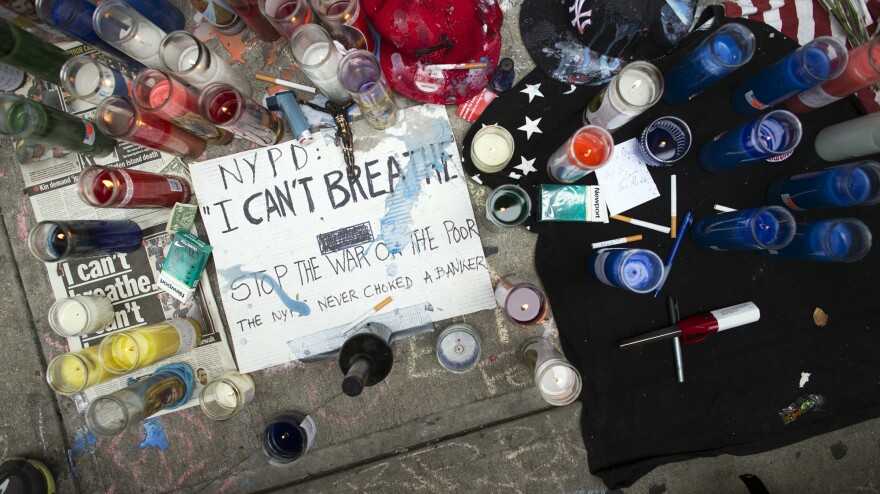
(625, 180)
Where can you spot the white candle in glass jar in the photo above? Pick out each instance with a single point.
(188, 59)
(225, 395)
(320, 62)
(491, 149)
(81, 315)
(144, 45)
(636, 87)
(87, 79)
(558, 381)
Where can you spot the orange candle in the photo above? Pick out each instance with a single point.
(589, 149)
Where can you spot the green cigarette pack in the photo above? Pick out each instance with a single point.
(583, 203)
(183, 266)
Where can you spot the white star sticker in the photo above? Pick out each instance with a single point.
(526, 166)
(573, 87)
(515, 176)
(533, 90)
(531, 127)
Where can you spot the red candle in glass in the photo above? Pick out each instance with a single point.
(119, 118)
(249, 12)
(165, 97)
(522, 303)
(226, 107)
(104, 187)
(862, 71)
(335, 13)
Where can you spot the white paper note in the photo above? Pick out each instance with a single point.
(625, 180)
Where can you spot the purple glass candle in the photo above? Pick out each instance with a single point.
(821, 59)
(835, 240)
(522, 303)
(855, 184)
(770, 227)
(775, 133)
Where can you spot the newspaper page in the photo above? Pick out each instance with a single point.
(128, 280)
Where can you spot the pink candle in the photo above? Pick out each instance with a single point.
(119, 118)
(522, 303)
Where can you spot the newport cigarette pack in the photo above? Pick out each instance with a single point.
(183, 266)
(572, 203)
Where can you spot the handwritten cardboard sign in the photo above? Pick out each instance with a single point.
(300, 247)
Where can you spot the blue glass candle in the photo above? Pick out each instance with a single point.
(665, 141)
(74, 18)
(835, 240)
(635, 270)
(287, 438)
(731, 46)
(775, 133)
(53, 241)
(820, 60)
(855, 184)
(769, 227)
(161, 12)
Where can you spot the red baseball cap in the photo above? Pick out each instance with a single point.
(417, 33)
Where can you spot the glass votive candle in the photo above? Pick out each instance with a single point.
(73, 18)
(189, 59)
(316, 55)
(226, 395)
(508, 206)
(161, 13)
(126, 351)
(53, 241)
(249, 12)
(521, 303)
(632, 91)
(164, 96)
(81, 315)
(288, 437)
(835, 240)
(634, 270)
(346, 22)
(227, 108)
(360, 74)
(72, 372)
(853, 138)
(819, 60)
(105, 187)
(855, 184)
(589, 149)
(120, 119)
(91, 80)
(731, 46)
(775, 133)
(224, 20)
(769, 227)
(286, 16)
(129, 32)
(458, 348)
(491, 149)
(31, 53)
(665, 141)
(557, 380)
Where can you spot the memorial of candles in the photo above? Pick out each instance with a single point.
(157, 93)
(189, 59)
(72, 372)
(38, 123)
(80, 315)
(314, 53)
(635, 270)
(508, 206)
(731, 46)
(129, 32)
(104, 187)
(835, 240)
(224, 20)
(249, 12)
(774, 133)
(854, 184)
(491, 149)
(286, 15)
(346, 22)
(169, 387)
(769, 227)
(665, 141)
(632, 91)
(227, 108)
(92, 80)
(851, 139)
(360, 74)
(589, 149)
(133, 349)
(819, 60)
(557, 380)
(458, 348)
(53, 241)
(366, 358)
(521, 303)
(120, 118)
(226, 395)
(31, 54)
(288, 437)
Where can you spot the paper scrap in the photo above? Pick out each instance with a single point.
(805, 376)
(625, 180)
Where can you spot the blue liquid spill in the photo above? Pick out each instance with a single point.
(82, 440)
(235, 272)
(155, 436)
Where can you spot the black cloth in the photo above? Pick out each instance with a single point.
(636, 415)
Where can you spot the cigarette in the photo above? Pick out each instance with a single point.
(366, 316)
(645, 224)
(673, 213)
(458, 66)
(282, 82)
(617, 241)
(723, 209)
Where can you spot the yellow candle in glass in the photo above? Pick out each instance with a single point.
(137, 348)
(75, 371)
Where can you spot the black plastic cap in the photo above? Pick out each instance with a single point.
(352, 385)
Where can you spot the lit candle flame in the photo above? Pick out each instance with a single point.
(636, 84)
(502, 209)
(60, 236)
(524, 307)
(662, 144)
(285, 436)
(107, 183)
